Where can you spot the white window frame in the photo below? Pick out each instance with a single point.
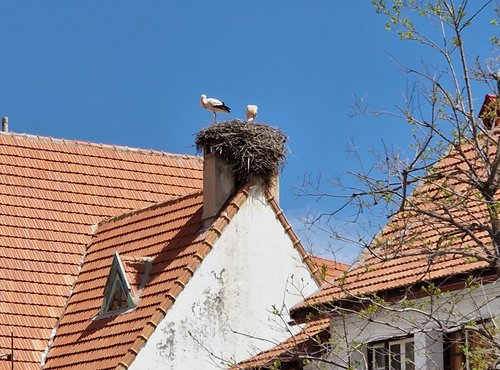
(388, 354)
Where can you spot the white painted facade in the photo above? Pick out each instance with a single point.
(252, 268)
(418, 322)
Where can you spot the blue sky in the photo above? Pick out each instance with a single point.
(131, 73)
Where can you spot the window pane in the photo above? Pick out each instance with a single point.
(395, 357)
(378, 358)
(409, 356)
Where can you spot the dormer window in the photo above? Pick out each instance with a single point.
(118, 295)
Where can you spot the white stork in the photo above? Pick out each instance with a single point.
(251, 112)
(214, 105)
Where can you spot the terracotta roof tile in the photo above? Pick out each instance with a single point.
(51, 192)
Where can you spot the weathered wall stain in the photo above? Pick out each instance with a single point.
(166, 347)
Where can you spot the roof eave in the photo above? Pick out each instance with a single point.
(302, 313)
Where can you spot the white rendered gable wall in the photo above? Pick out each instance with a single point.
(252, 267)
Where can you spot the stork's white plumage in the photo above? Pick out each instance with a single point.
(251, 112)
(214, 105)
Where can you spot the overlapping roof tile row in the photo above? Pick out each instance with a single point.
(51, 193)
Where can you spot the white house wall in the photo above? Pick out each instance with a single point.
(252, 269)
(453, 308)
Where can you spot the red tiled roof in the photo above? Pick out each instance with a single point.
(51, 192)
(415, 248)
(288, 350)
(169, 233)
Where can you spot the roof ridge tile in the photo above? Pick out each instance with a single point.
(113, 147)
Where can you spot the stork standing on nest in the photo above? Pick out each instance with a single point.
(214, 105)
(251, 112)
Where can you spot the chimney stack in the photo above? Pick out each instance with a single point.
(5, 124)
(218, 182)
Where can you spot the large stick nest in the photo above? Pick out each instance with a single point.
(249, 148)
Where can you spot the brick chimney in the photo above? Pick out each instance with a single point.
(218, 182)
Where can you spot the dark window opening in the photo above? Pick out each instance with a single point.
(392, 355)
(468, 350)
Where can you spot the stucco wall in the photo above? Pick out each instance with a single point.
(449, 309)
(252, 268)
